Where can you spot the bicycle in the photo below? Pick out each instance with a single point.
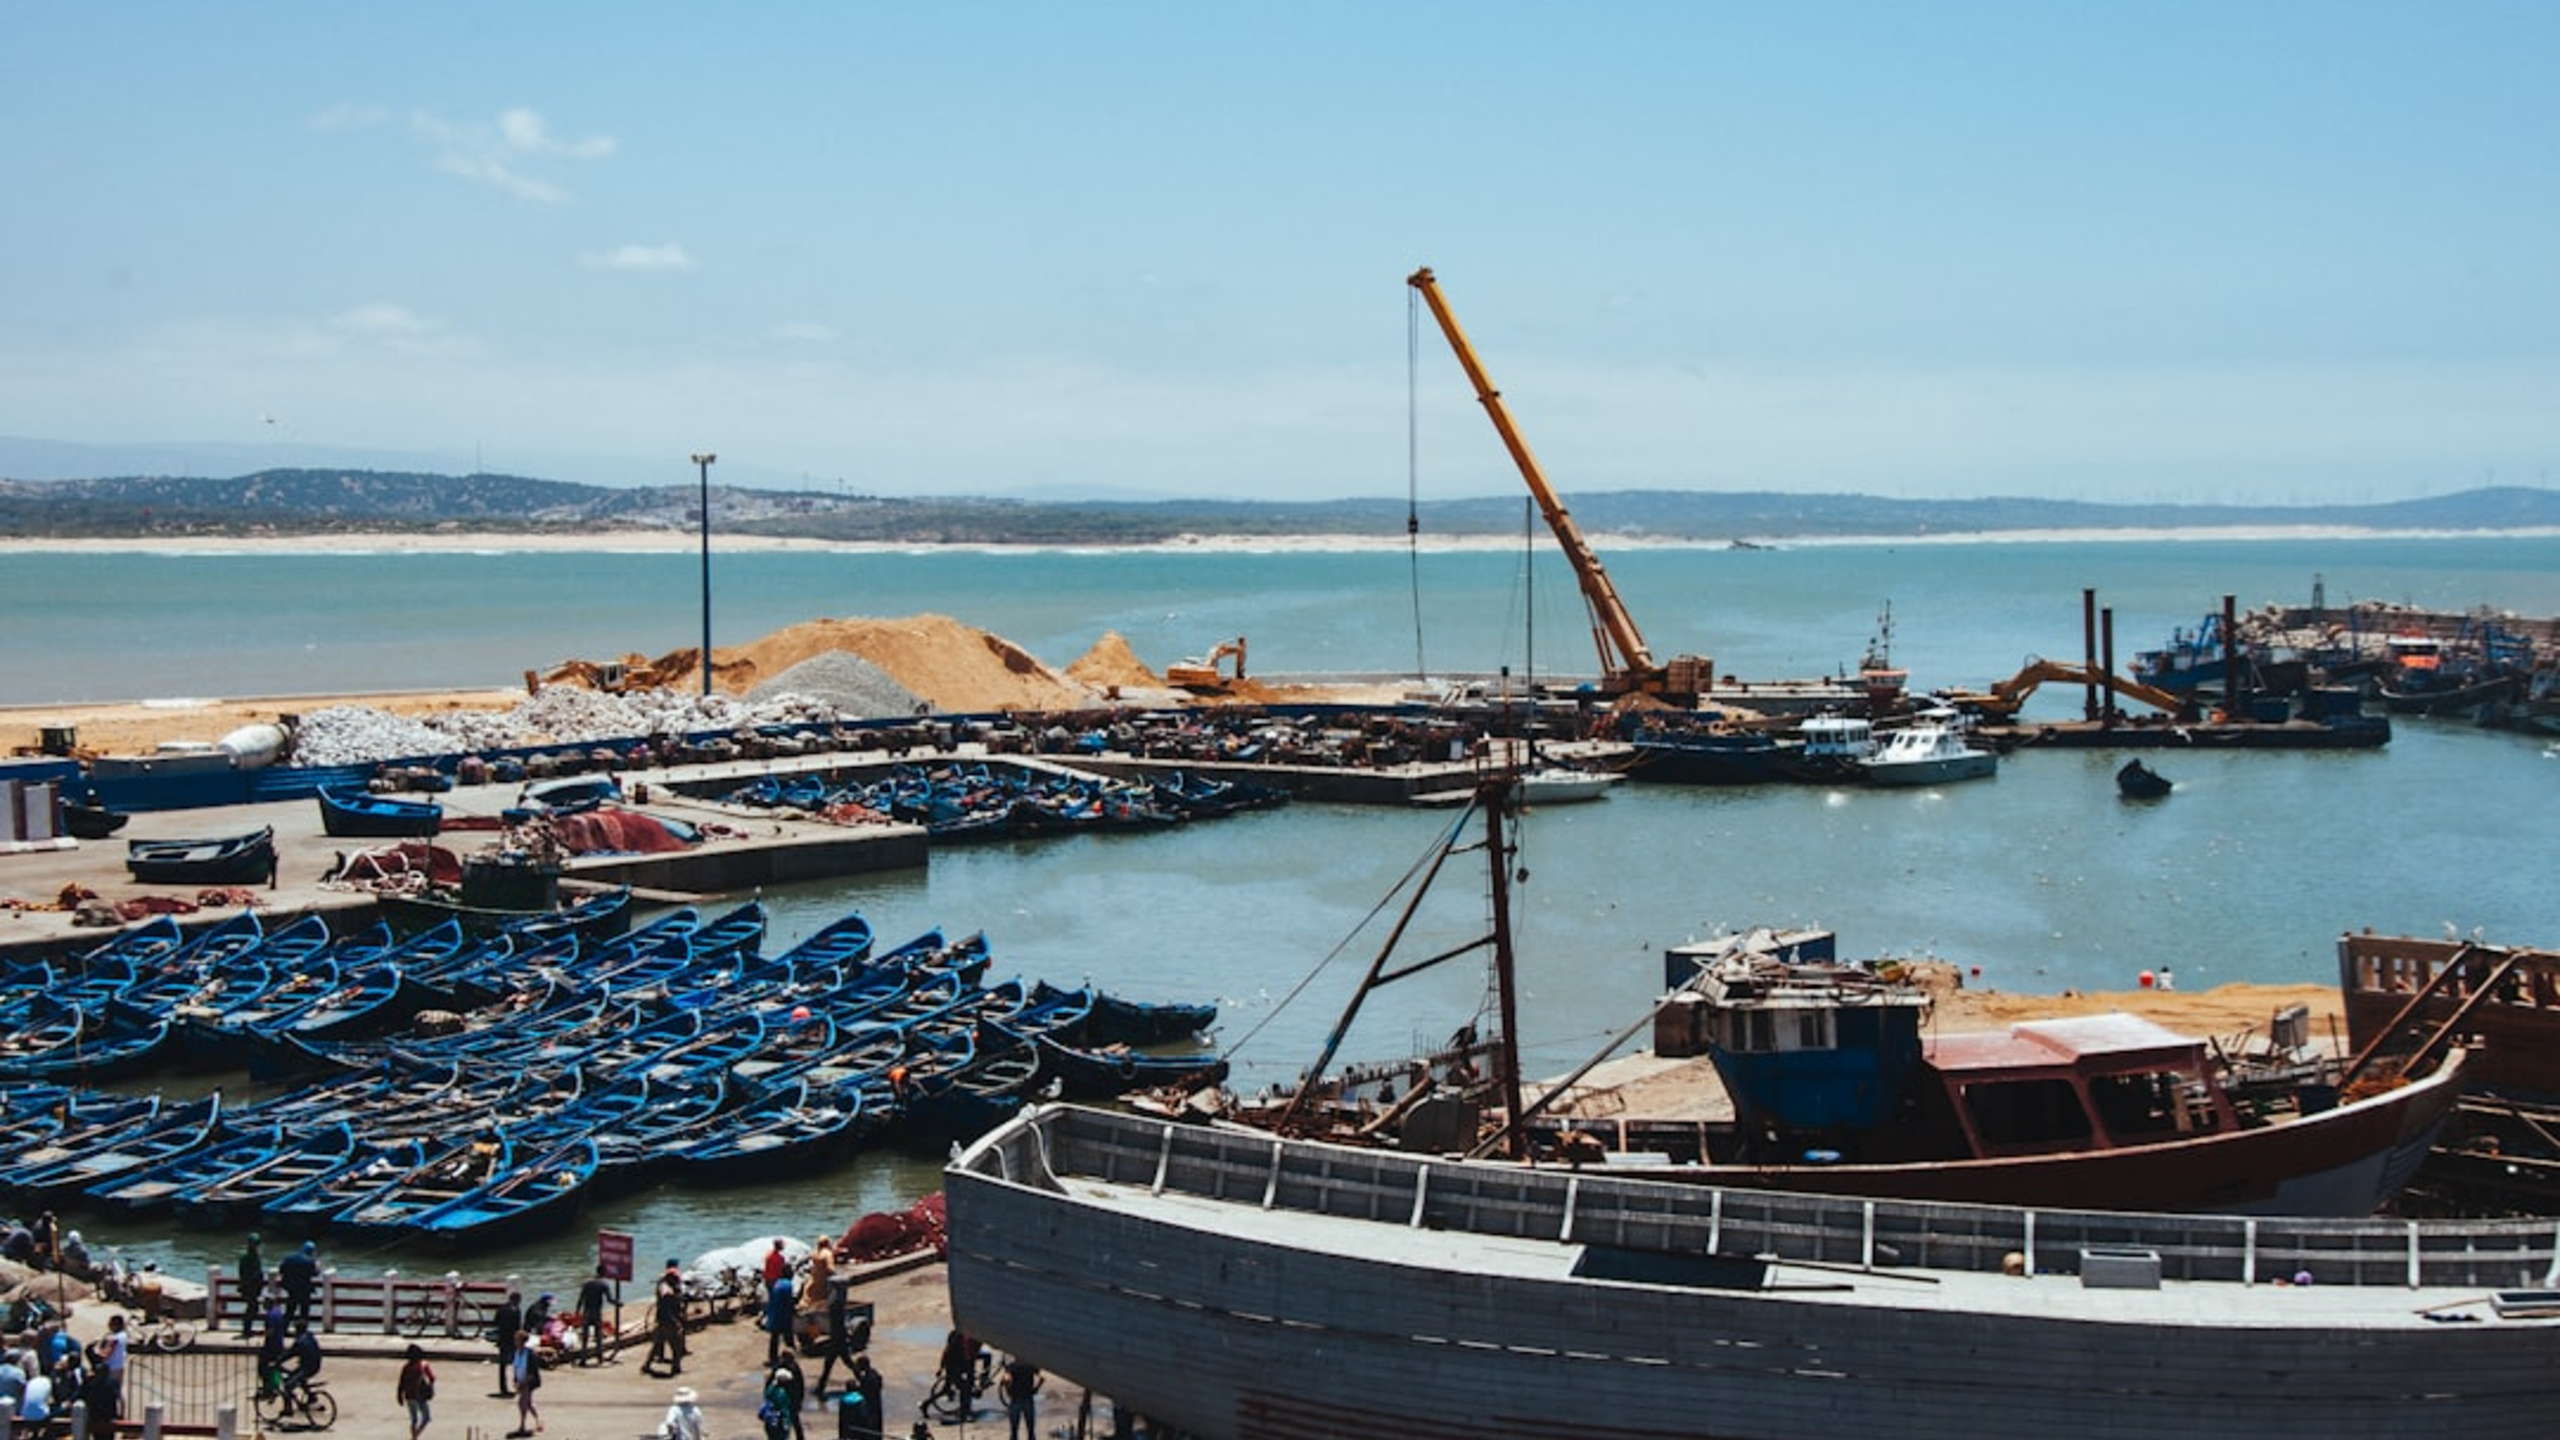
(955, 1400)
(281, 1401)
(164, 1333)
(448, 1309)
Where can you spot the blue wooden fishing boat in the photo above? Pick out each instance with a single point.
(36, 1111)
(506, 893)
(842, 942)
(40, 1028)
(959, 1086)
(363, 814)
(57, 1172)
(221, 961)
(148, 940)
(225, 1029)
(151, 1189)
(1119, 1021)
(87, 1049)
(784, 1131)
(452, 1168)
(246, 859)
(540, 1194)
(629, 1152)
(1200, 797)
(1109, 1071)
(377, 997)
(226, 1197)
(378, 1160)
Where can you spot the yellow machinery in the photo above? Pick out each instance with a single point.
(2003, 699)
(1626, 666)
(1203, 674)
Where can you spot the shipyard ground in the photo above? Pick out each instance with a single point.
(614, 1400)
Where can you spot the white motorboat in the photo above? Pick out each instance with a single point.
(1931, 750)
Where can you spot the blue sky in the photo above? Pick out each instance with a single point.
(2188, 252)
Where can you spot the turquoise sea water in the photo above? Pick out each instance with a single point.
(2042, 877)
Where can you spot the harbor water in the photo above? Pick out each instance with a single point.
(2043, 878)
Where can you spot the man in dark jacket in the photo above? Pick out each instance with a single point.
(300, 1275)
(253, 1285)
(503, 1327)
(666, 1328)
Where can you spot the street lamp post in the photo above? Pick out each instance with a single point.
(702, 466)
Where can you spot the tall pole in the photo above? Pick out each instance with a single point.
(702, 466)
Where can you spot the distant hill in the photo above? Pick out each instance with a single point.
(319, 502)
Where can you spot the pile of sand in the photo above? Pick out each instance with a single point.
(957, 667)
(1111, 662)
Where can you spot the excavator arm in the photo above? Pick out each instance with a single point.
(2006, 697)
(1625, 663)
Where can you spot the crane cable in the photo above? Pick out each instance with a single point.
(1413, 466)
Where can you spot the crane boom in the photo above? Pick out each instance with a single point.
(1625, 663)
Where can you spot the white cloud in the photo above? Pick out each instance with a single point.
(638, 257)
(804, 332)
(496, 153)
(524, 130)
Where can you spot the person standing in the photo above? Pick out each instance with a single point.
(113, 1349)
(252, 1271)
(839, 1338)
(776, 1418)
(416, 1389)
(865, 1406)
(684, 1417)
(666, 1331)
(300, 1275)
(503, 1328)
(591, 1298)
(795, 1390)
(1021, 1391)
(98, 1392)
(781, 1319)
(528, 1378)
(822, 1269)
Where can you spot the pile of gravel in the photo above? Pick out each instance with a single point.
(854, 687)
(554, 715)
(360, 735)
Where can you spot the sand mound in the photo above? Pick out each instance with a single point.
(1112, 662)
(957, 667)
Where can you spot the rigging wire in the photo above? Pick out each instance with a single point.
(1446, 841)
(1413, 465)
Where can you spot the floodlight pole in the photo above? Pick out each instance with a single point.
(702, 466)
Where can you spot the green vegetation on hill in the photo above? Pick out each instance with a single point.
(321, 502)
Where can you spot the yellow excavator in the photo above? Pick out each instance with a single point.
(1203, 674)
(1626, 666)
(2003, 700)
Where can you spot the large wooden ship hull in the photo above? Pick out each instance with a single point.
(1236, 1286)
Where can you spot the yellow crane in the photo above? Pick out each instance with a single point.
(1626, 665)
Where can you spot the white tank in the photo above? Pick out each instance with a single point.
(252, 746)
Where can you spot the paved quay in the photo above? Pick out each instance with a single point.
(613, 1399)
(743, 849)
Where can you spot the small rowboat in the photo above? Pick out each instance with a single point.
(217, 860)
(362, 813)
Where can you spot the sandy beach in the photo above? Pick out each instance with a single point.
(661, 542)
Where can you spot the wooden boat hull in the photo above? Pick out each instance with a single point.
(2346, 1162)
(360, 815)
(1200, 1276)
(248, 859)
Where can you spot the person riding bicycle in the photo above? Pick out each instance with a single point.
(305, 1356)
